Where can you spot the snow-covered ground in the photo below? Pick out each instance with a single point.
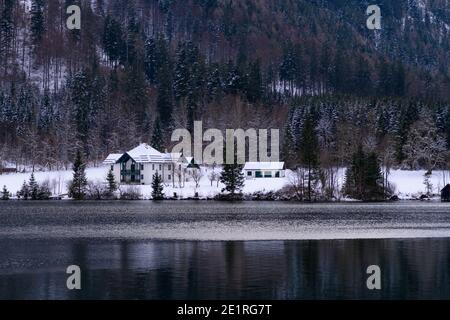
(408, 184)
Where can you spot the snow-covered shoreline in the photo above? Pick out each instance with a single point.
(408, 184)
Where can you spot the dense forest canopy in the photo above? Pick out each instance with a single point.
(137, 69)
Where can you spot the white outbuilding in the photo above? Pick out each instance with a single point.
(254, 170)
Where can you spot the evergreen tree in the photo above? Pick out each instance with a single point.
(182, 71)
(289, 68)
(309, 149)
(386, 85)
(113, 40)
(78, 185)
(157, 187)
(37, 21)
(6, 30)
(164, 103)
(132, 38)
(233, 179)
(363, 81)
(408, 115)
(33, 187)
(399, 79)
(214, 82)
(254, 85)
(364, 179)
(151, 60)
(157, 137)
(374, 178)
(232, 79)
(46, 116)
(24, 192)
(112, 184)
(80, 88)
(5, 193)
(288, 152)
(135, 88)
(44, 192)
(355, 175)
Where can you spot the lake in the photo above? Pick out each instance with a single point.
(214, 250)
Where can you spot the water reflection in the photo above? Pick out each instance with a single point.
(327, 269)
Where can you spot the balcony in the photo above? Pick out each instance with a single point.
(136, 173)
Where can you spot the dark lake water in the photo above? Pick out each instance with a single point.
(210, 250)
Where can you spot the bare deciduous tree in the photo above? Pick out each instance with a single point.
(196, 175)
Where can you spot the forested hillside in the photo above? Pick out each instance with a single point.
(137, 69)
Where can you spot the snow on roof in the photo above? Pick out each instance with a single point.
(144, 153)
(112, 158)
(264, 166)
(143, 150)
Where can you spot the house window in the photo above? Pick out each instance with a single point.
(142, 177)
(122, 178)
(170, 167)
(277, 174)
(153, 167)
(268, 174)
(258, 174)
(142, 167)
(160, 168)
(249, 173)
(170, 177)
(112, 168)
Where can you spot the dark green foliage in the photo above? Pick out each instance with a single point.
(81, 99)
(6, 31)
(157, 187)
(24, 192)
(255, 86)
(37, 27)
(309, 148)
(33, 186)
(164, 103)
(233, 179)
(112, 184)
(34, 191)
(113, 39)
(44, 192)
(78, 185)
(5, 194)
(157, 137)
(364, 179)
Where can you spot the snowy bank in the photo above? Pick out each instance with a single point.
(408, 184)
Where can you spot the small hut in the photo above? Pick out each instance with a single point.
(445, 194)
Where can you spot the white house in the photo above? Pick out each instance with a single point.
(138, 166)
(264, 170)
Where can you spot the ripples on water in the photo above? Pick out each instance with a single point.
(123, 251)
(184, 220)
